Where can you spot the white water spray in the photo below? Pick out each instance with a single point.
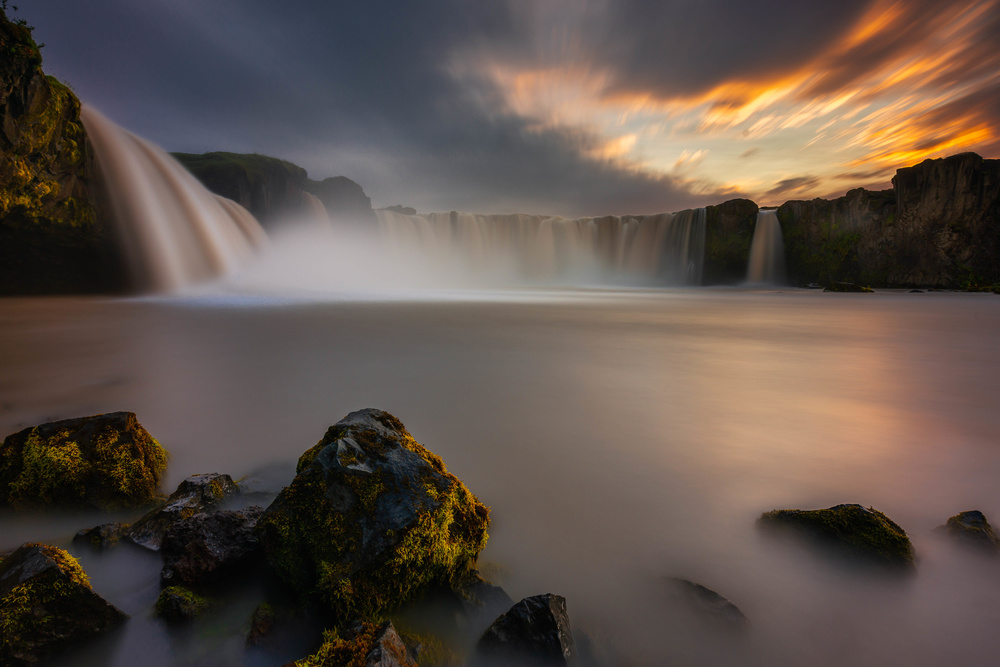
(767, 251)
(654, 250)
(174, 231)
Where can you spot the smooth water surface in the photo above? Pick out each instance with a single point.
(620, 437)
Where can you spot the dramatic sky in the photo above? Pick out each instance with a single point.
(547, 106)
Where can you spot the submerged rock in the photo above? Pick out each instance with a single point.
(363, 645)
(709, 604)
(178, 604)
(535, 631)
(372, 520)
(101, 537)
(47, 604)
(208, 547)
(261, 624)
(864, 534)
(195, 495)
(846, 287)
(972, 528)
(105, 461)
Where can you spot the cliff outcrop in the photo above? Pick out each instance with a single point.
(52, 238)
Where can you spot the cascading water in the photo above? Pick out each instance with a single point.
(174, 231)
(664, 249)
(767, 251)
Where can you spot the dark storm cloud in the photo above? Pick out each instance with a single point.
(685, 47)
(789, 187)
(361, 89)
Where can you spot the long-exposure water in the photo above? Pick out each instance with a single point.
(620, 437)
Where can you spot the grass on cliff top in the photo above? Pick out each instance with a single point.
(257, 167)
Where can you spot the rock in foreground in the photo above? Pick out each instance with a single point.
(177, 604)
(972, 528)
(195, 495)
(535, 631)
(47, 604)
(864, 534)
(371, 520)
(208, 547)
(106, 461)
(364, 645)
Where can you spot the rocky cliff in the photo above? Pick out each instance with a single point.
(938, 227)
(728, 232)
(271, 188)
(52, 239)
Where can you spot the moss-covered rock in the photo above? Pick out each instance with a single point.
(863, 534)
(178, 604)
(261, 624)
(52, 239)
(105, 461)
(371, 520)
(363, 645)
(197, 494)
(102, 537)
(728, 234)
(972, 529)
(835, 286)
(47, 604)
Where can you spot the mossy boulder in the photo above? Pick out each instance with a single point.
(102, 537)
(863, 534)
(105, 461)
(47, 604)
(52, 238)
(177, 604)
(372, 520)
(972, 529)
(847, 287)
(362, 645)
(197, 494)
(728, 234)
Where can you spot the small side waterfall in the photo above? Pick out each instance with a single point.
(175, 232)
(767, 251)
(652, 250)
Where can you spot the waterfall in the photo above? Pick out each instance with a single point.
(173, 230)
(767, 251)
(652, 250)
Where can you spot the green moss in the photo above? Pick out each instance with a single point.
(866, 534)
(337, 651)
(314, 543)
(108, 461)
(177, 603)
(17, 608)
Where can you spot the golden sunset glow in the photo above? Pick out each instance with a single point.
(892, 91)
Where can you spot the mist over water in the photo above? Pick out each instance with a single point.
(619, 437)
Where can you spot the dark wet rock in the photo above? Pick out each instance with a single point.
(728, 234)
(814, 286)
(178, 604)
(708, 604)
(101, 537)
(972, 528)
(105, 461)
(372, 520)
(481, 602)
(863, 534)
(261, 624)
(47, 604)
(916, 291)
(208, 547)
(846, 287)
(53, 238)
(195, 495)
(535, 631)
(363, 645)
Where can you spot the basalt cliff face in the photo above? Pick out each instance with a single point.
(271, 188)
(938, 227)
(53, 235)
